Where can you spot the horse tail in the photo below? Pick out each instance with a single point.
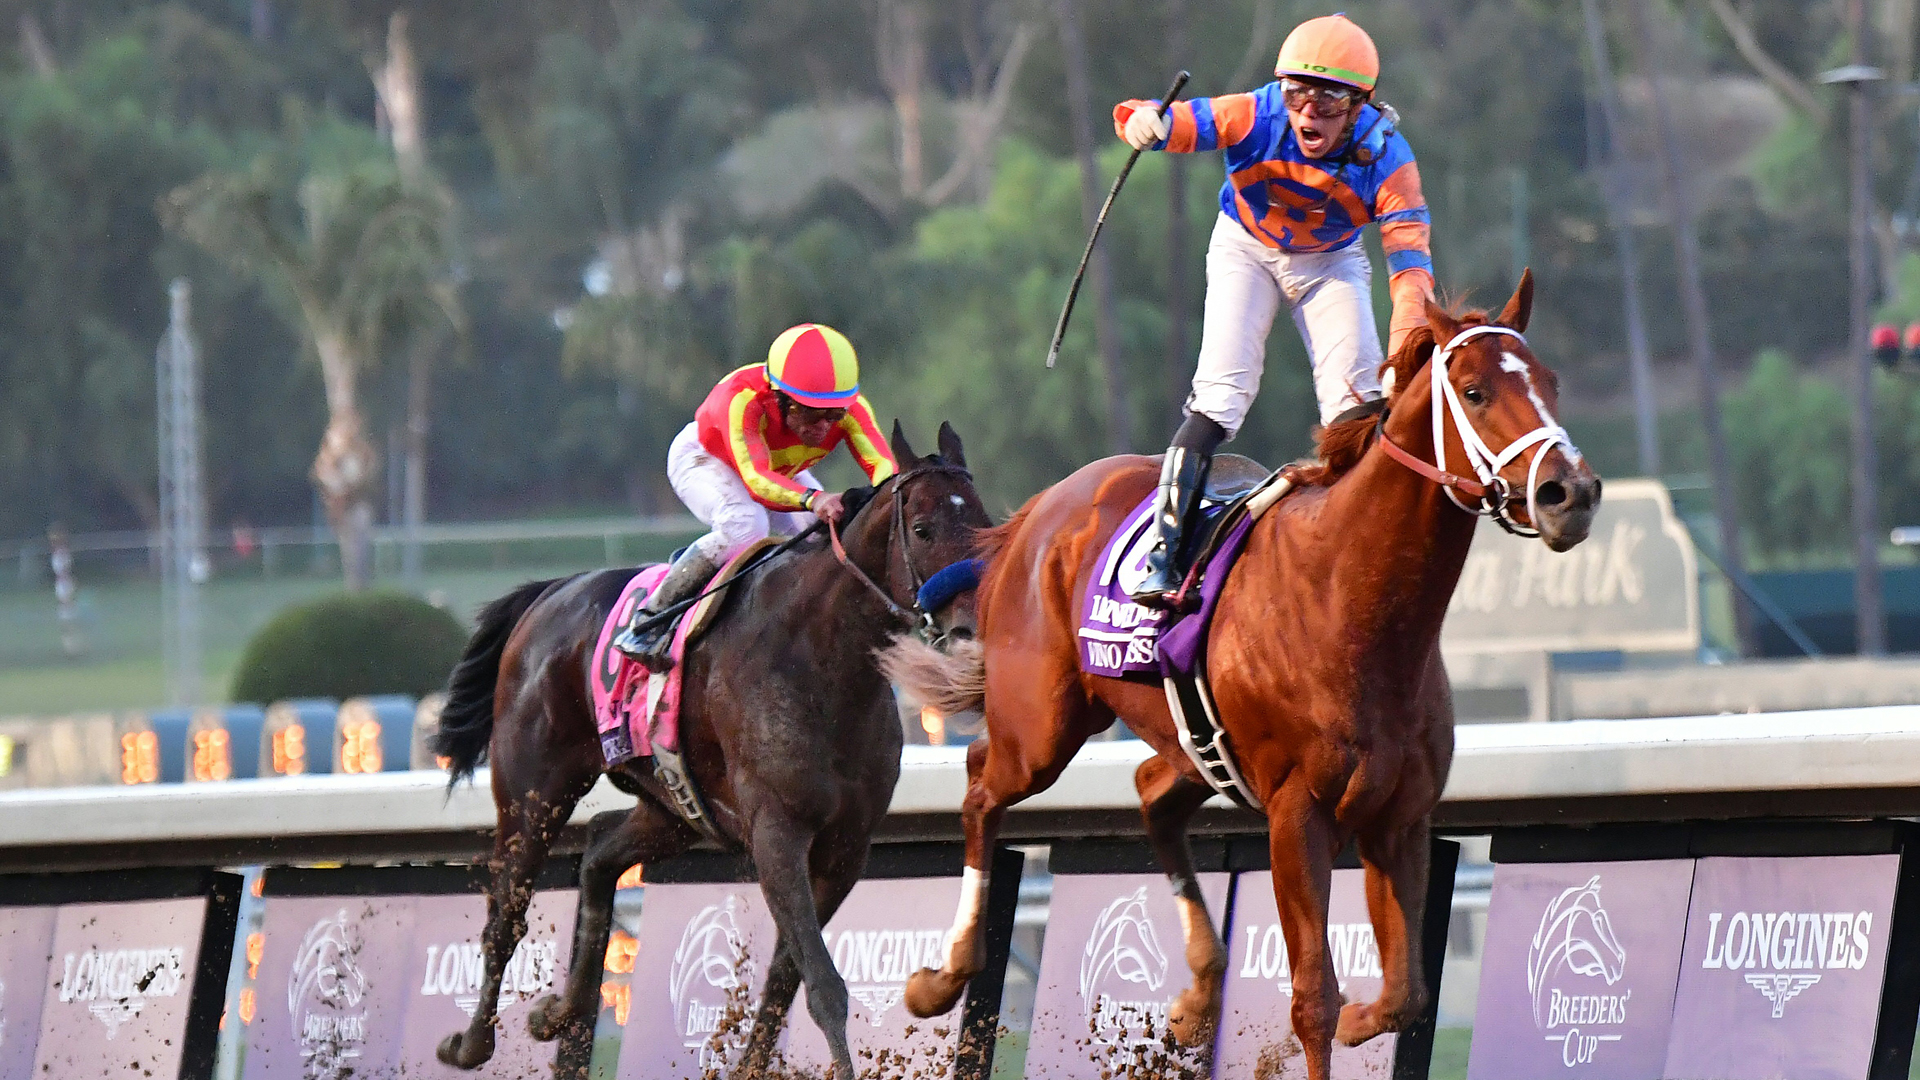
(949, 682)
(466, 721)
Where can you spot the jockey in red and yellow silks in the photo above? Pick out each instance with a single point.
(1310, 161)
(743, 424)
(742, 465)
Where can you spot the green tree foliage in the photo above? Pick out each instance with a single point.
(348, 246)
(349, 645)
(649, 190)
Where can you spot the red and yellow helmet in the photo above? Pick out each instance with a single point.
(1332, 48)
(815, 366)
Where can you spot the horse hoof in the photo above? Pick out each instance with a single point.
(461, 1053)
(931, 991)
(1191, 1024)
(1358, 1023)
(547, 1019)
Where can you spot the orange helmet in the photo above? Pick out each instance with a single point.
(815, 366)
(1332, 48)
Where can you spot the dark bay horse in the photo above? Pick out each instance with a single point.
(786, 724)
(1324, 660)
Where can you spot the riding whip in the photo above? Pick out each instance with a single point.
(1066, 312)
(661, 616)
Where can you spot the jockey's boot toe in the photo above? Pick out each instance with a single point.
(1163, 580)
(652, 648)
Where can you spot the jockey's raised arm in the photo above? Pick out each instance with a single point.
(1310, 162)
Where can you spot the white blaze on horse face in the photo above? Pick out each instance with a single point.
(956, 500)
(1513, 363)
(973, 899)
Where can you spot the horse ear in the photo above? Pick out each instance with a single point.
(902, 453)
(1520, 308)
(950, 448)
(1444, 326)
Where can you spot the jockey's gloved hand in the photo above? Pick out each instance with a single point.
(852, 500)
(1146, 127)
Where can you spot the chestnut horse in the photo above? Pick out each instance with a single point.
(786, 724)
(1324, 661)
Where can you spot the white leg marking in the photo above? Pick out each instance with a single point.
(973, 899)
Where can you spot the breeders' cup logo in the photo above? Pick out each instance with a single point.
(1576, 939)
(325, 994)
(1784, 952)
(1123, 953)
(456, 970)
(114, 984)
(710, 969)
(876, 964)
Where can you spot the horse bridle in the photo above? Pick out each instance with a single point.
(1495, 494)
(922, 619)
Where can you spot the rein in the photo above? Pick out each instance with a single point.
(916, 614)
(1495, 494)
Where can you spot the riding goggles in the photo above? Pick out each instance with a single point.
(1297, 93)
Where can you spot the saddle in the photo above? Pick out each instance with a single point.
(637, 711)
(1121, 639)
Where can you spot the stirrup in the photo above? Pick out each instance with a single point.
(1175, 597)
(652, 650)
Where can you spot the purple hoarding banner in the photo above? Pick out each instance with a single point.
(1783, 967)
(1256, 1025)
(332, 970)
(26, 952)
(1115, 959)
(704, 951)
(1578, 970)
(444, 973)
(885, 931)
(118, 987)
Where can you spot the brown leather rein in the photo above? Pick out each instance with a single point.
(1465, 485)
(899, 482)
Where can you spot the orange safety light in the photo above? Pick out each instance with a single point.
(212, 754)
(139, 757)
(290, 750)
(360, 746)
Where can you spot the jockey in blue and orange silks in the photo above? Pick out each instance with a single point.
(1310, 161)
(744, 465)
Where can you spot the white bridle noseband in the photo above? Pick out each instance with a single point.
(1487, 464)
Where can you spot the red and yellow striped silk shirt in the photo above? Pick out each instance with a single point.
(741, 423)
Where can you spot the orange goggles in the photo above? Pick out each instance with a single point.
(1298, 93)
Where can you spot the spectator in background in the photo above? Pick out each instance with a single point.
(66, 592)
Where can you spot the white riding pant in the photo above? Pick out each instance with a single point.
(719, 498)
(1331, 296)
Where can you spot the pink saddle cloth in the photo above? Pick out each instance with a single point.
(636, 710)
(632, 707)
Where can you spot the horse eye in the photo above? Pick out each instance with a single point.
(921, 530)
(1473, 394)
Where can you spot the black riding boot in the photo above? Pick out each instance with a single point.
(653, 647)
(1183, 476)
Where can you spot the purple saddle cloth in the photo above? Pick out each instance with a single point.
(1122, 639)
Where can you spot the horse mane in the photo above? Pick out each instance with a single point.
(988, 544)
(1339, 446)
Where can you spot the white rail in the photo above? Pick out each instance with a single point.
(1836, 763)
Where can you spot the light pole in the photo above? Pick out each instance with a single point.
(1870, 622)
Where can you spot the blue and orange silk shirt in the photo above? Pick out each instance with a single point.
(1291, 202)
(741, 423)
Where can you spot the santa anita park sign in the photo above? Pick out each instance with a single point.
(1629, 587)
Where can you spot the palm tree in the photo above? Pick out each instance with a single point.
(359, 258)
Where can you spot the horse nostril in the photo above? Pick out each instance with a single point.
(1550, 493)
